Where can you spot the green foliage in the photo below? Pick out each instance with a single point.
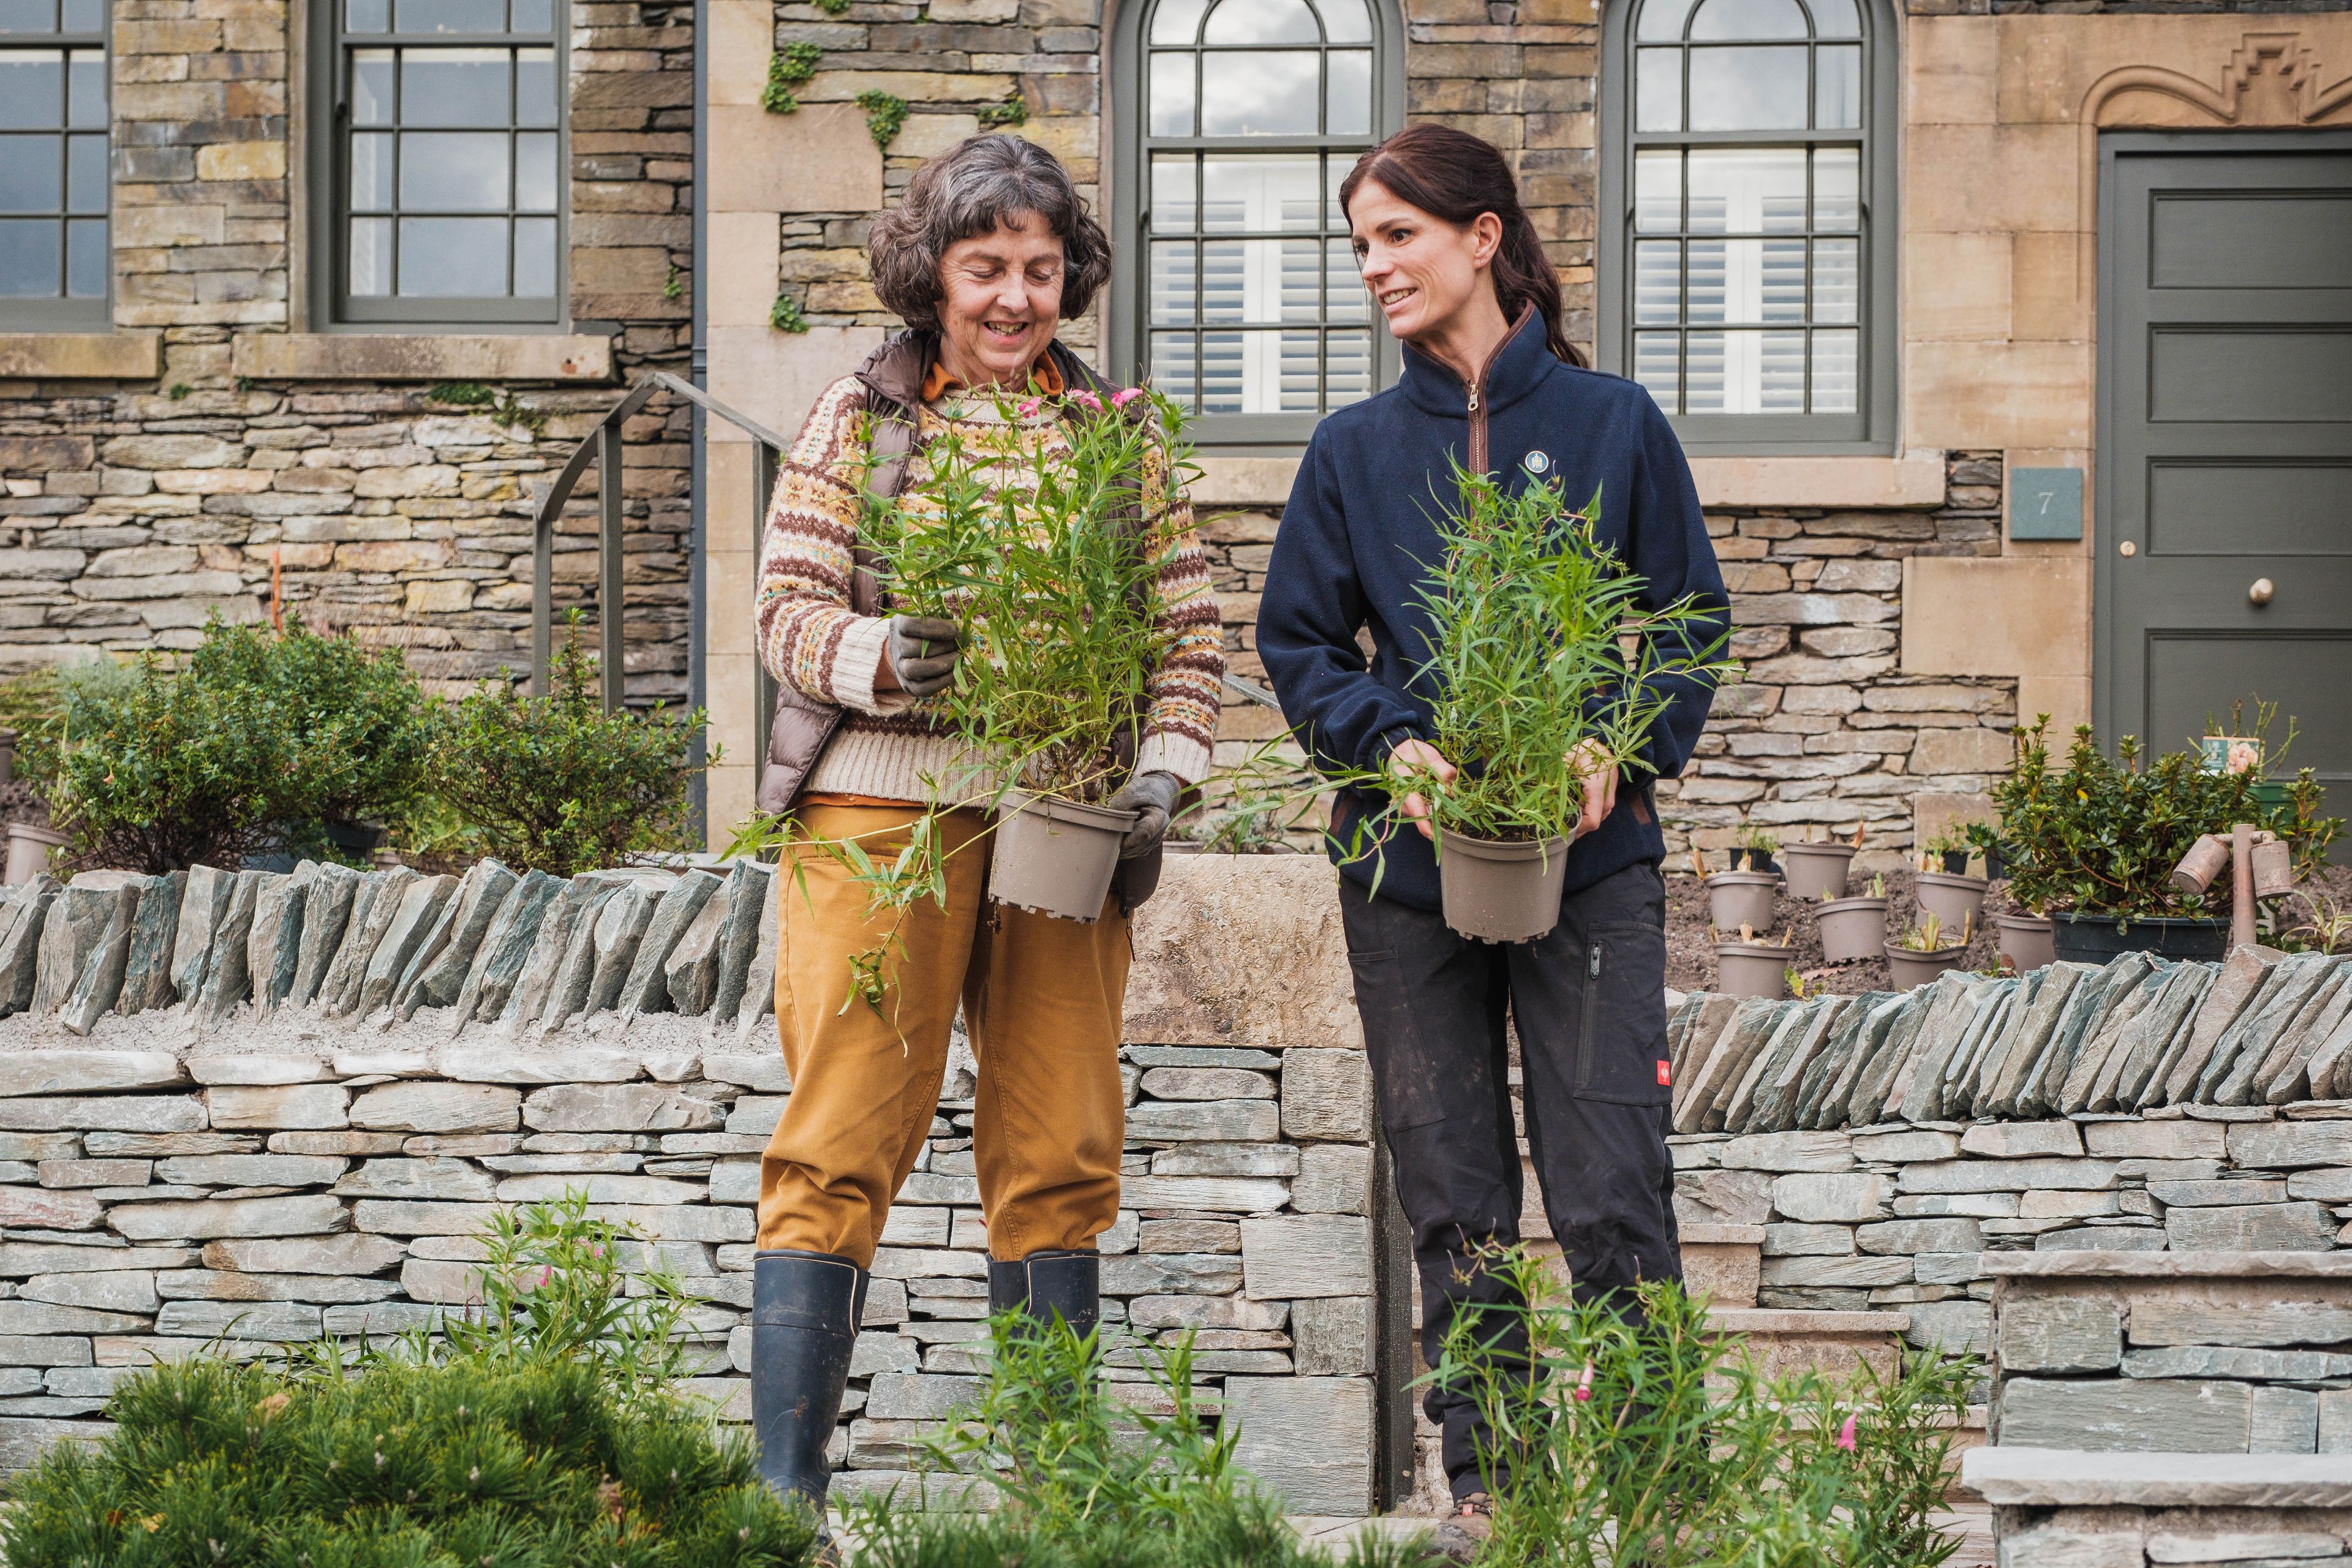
(1013, 110)
(525, 1440)
(833, 7)
(674, 285)
(259, 738)
(1758, 839)
(498, 403)
(179, 391)
(2102, 834)
(788, 68)
(885, 114)
(557, 784)
(33, 705)
(1924, 935)
(1528, 609)
(1645, 1436)
(462, 394)
(786, 315)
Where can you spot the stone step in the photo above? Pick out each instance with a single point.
(1783, 1339)
(1723, 1262)
(2059, 1505)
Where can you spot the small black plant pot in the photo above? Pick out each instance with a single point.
(354, 838)
(2095, 938)
(1995, 867)
(1955, 862)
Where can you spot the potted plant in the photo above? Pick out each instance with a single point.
(1737, 898)
(1855, 929)
(1748, 967)
(1532, 688)
(2094, 842)
(1954, 895)
(1755, 847)
(1921, 953)
(1946, 852)
(2026, 940)
(1818, 870)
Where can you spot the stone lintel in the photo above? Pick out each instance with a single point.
(423, 356)
(81, 356)
(1912, 479)
(2092, 1265)
(2066, 1477)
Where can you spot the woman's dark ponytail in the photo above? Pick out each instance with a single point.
(1453, 175)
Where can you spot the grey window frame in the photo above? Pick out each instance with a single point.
(1230, 434)
(332, 310)
(1870, 429)
(62, 313)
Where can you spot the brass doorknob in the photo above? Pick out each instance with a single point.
(2259, 593)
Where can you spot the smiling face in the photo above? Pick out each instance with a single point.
(1424, 273)
(1001, 300)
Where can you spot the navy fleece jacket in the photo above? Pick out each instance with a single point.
(1363, 524)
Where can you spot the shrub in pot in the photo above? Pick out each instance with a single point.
(1533, 691)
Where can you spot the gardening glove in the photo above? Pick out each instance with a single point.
(1154, 795)
(922, 652)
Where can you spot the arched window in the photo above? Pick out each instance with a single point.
(1747, 241)
(1237, 291)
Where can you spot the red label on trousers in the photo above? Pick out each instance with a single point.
(1665, 1075)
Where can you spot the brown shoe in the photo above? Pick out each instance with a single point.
(1462, 1535)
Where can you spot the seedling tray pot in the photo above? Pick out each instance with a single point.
(1501, 891)
(1055, 856)
(1852, 929)
(1817, 871)
(2095, 939)
(1751, 969)
(1912, 969)
(2027, 941)
(1959, 901)
(1736, 899)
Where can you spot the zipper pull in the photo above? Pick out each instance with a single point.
(1592, 965)
(1474, 399)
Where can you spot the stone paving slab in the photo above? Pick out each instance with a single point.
(2065, 1477)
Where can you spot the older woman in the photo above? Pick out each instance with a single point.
(990, 251)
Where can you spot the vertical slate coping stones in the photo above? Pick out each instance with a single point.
(419, 905)
(204, 905)
(646, 989)
(575, 977)
(746, 896)
(147, 968)
(527, 999)
(21, 920)
(327, 911)
(373, 909)
(101, 981)
(438, 970)
(760, 981)
(77, 924)
(274, 945)
(227, 977)
(505, 946)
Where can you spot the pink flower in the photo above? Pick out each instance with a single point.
(1846, 1435)
(1029, 409)
(1088, 398)
(1584, 1386)
(1121, 399)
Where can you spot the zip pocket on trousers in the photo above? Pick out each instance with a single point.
(1595, 955)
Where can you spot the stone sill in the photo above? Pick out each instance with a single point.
(2169, 1265)
(2065, 1477)
(422, 356)
(81, 356)
(1914, 479)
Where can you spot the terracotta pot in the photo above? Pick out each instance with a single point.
(1055, 856)
(1911, 968)
(1742, 898)
(1959, 900)
(1852, 929)
(1752, 969)
(1501, 891)
(1817, 871)
(29, 851)
(2026, 940)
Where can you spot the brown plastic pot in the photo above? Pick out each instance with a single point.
(29, 851)
(1501, 890)
(1817, 871)
(1055, 856)
(1911, 968)
(1751, 969)
(1852, 929)
(1958, 900)
(1742, 898)
(2027, 942)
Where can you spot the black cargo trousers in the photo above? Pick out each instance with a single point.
(1588, 1004)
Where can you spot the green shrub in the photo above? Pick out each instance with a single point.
(555, 784)
(259, 740)
(31, 705)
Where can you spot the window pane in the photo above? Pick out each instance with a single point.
(1177, 21)
(1837, 384)
(27, 16)
(1259, 95)
(1657, 282)
(1707, 270)
(84, 16)
(1171, 193)
(1835, 19)
(1261, 194)
(31, 175)
(87, 258)
(28, 258)
(1657, 192)
(1350, 110)
(1658, 90)
(371, 189)
(1171, 94)
(372, 80)
(32, 89)
(1346, 368)
(453, 258)
(371, 256)
(367, 16)
(85, 174)
(1837, 188)
(1745, 373)
(1172, 368)
(534, 87)
(460, 171)
(1703, 373)
(1258, 280)
(1345, 21)
(1262, 22)
(534, 262)
(86, 94)
(1748, 89)
(1837, 87)
(533, 16)
(1749, 19)
(1257, 373)
(1837, 279)
(1655, 368)
(1662, 20)
(535, 174)
(1780, 371)
(463, 15)
(454, 87)
(1343, 286)
(1747, 190)
(1169, 300)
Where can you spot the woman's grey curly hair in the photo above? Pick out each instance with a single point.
(970, 190)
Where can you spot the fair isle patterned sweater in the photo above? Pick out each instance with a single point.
(889, 747)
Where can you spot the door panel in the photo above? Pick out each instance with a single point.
(2225, 437)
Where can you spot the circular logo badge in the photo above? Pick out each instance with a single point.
(1538, 462)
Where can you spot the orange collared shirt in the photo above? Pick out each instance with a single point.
(1043, 377)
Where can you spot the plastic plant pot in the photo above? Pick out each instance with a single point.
(1852, 929)
(1817, 871)
(1751, 969)
(1955, 862)
(1501, 890)
(1911, 968)
(2026, 941)
(7, 756)
(29, 851)
(2095, 938)
(1959, 900)
(1736, 899)
(1055, 856)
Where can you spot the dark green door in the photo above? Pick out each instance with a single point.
(2224, 537)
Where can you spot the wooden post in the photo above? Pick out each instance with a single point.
(2241, 885)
